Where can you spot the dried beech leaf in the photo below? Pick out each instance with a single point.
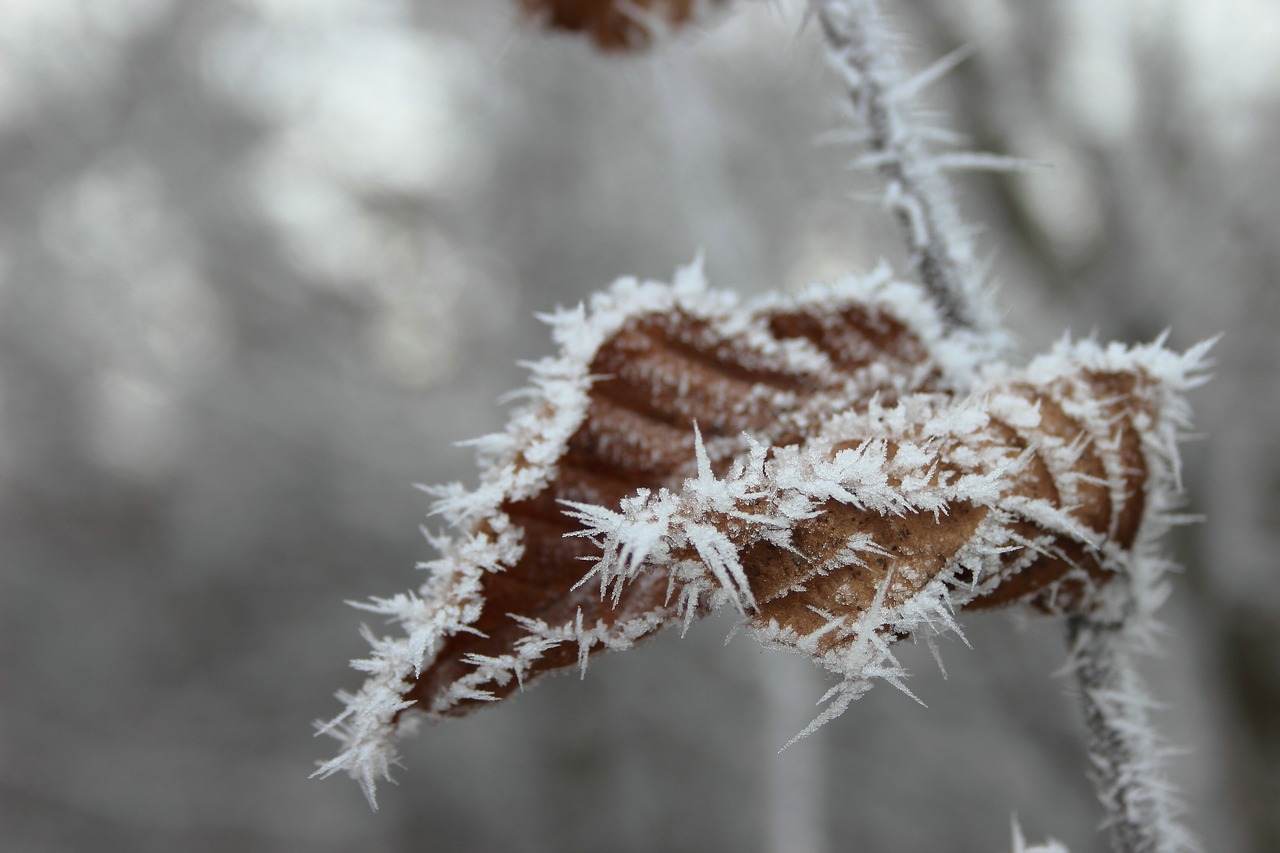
(772, 370)
(831, 463)
(614, 25)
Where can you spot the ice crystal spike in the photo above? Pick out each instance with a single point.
(856, 473)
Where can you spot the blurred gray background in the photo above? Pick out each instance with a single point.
(262, 262)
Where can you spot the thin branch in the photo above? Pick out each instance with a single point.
(1142, 808)
(915, 189)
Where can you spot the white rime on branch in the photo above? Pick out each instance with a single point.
(915, 187)
(1143, 812)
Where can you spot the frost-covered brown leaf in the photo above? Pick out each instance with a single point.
(836, 464)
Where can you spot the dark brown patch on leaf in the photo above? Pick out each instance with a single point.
(611, 25)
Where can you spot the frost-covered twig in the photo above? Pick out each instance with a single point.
(915, 189)
(1142, 808)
